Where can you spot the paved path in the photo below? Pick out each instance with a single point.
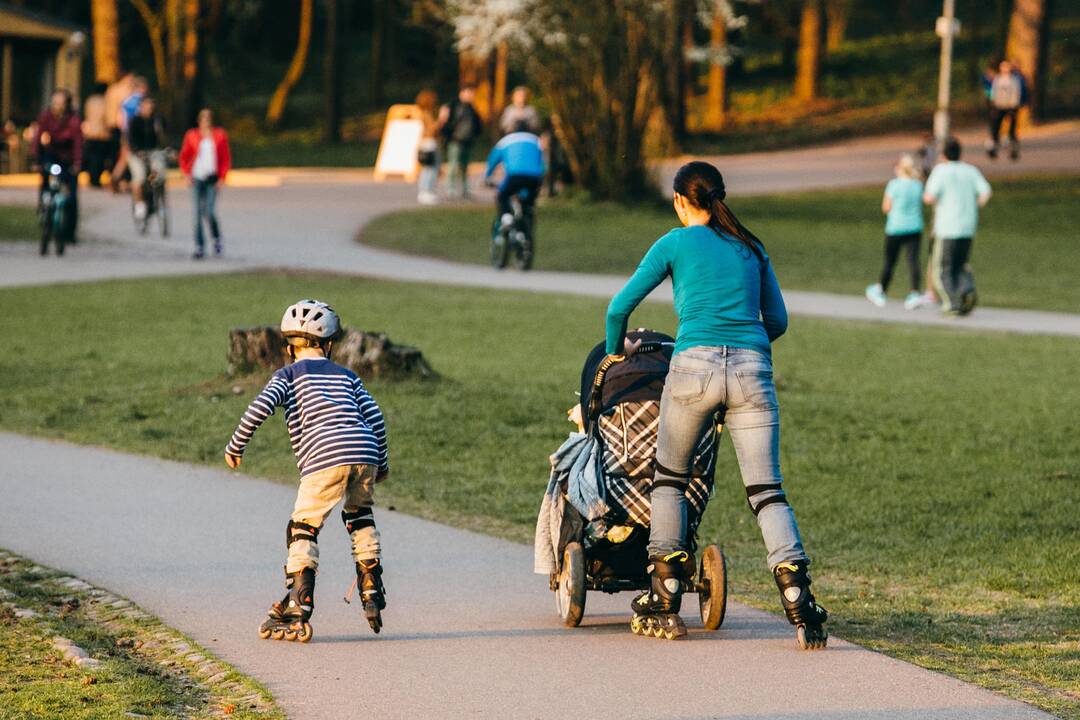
(470, 632)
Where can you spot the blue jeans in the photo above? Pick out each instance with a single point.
(701, 381)
(205, 209)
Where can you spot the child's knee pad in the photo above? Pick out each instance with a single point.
(300, 531)
(357, 519)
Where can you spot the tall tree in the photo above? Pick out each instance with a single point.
(190, 75)
(106, 43)
(1029, 34)
(332, 75)
(379, 22)
(808, 61)
(721, 21)
(672, 88)
(498, 92)
(172, 27)
(276, 108)
(837, 13)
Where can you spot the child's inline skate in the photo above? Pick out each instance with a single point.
(372, 593)
(802, 611)
(288, 618)
(656, 611)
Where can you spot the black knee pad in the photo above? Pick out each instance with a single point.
(300, 531)
(357, 519)
(778, 496)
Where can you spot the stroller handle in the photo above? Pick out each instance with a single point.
(606, 364)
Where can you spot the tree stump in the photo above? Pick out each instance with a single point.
(368, 354)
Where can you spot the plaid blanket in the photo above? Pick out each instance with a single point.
(629, 434)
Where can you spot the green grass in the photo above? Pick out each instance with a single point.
(935, 473)
(140, 675)
(1025, 253)
(18, 222)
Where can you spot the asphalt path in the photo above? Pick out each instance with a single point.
(470, 632)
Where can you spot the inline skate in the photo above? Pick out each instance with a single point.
(288, 618)
(802, 611)
(372, 593)
(656, 611)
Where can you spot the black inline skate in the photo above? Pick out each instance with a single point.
(802, 611)
(372, 593)
(288, 618)
(656, 611)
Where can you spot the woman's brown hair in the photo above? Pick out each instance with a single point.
(703, 187)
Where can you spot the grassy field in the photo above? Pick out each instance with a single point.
(936, 491)
(1025, 255)
(18, 222)
(143, 670)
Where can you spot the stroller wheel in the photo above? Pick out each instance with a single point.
(570, 593)
(712, 589)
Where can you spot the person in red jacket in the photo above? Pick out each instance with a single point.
(205, 159)
(59, 140)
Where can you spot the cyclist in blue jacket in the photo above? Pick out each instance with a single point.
(522, 157)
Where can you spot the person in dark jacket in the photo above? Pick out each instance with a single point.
(145, 139)
(59, 140)
(460, 125)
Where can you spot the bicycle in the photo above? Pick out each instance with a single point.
(514, 236)
(53, 209)
(153, 194)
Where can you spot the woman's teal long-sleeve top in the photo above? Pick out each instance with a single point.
(724, 295)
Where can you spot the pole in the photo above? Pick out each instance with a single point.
(946, 28)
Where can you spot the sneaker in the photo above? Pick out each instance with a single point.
(875, 294)
(1014, 153)
(427, 198)
(913, 300)
(506, 220)
(199, 255)
(140, 210)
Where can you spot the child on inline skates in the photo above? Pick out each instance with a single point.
(339, 438)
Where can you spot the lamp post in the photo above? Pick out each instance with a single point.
(947, 27)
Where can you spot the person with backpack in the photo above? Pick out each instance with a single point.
(460, 125)
(1008, 92)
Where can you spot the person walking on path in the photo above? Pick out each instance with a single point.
(1008, 92)
(205, 159)
(96, 135)
(339, 438)
(903, 209)
(428, 152)
(461, 125)
(520, 112)
(59, 140)
(730, 312)
(956, 190)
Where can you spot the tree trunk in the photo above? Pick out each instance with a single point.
(378, 50)
(296, 68)
(837, 13)
(717, 97)
(369, 355)
(1027, 49)
(476, 70)
(106, 43)
(191, 71)
(157, 42)
(498, 99)
(672, 86)
(808, 67)
(332, 76)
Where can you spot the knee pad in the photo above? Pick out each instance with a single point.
(756, 502)
(357, 519)
(300, 531)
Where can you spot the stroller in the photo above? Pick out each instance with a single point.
(620, 404)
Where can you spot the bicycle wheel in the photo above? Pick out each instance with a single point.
(46, 227)
(59, 223)
(500, 250)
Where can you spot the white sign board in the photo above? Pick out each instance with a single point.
(398, 149)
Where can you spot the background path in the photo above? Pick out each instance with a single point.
(470, 631)
(305, 219)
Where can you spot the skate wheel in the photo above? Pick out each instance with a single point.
(712, 597)
(812, 639)
(303, 634)
(570, 592)
(290, 635)
(263, 633)
(277, 633)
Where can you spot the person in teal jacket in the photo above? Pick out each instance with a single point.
(730, 311)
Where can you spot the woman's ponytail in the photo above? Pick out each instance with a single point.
(703, 185)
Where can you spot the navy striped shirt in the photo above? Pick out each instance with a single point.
(331, 418)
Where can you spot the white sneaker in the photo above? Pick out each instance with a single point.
(913, 300)
(506, 220)
(427, 198)
(875, 294)
(140, 210)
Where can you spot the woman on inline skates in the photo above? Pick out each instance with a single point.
(730, 311)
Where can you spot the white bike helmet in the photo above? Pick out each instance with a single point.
(310, 320)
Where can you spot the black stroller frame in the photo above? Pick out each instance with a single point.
(609, 555)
